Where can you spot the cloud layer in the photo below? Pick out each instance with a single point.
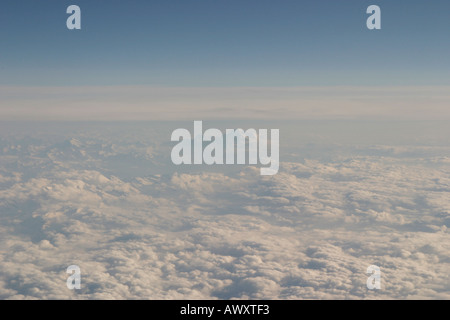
(309, 232)
(218, 103)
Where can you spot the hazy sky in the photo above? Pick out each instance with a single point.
(224, 43)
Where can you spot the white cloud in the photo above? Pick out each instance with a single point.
(309, 232)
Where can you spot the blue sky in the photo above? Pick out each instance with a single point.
(224, 43)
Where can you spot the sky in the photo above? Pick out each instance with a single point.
(190, 60)
(363, 178)
(224, 43)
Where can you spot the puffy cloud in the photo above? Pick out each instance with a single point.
(309, 232)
